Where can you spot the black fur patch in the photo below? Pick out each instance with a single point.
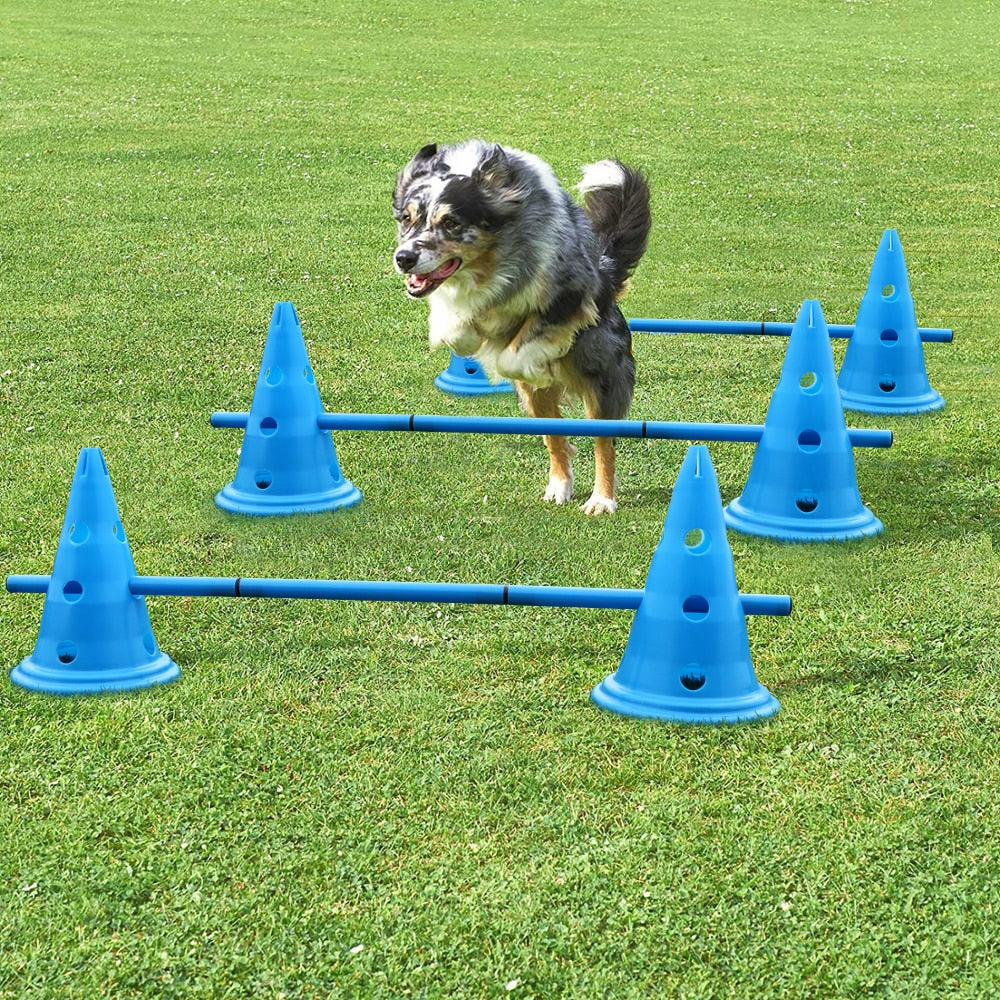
(470, 204)
(565, 305)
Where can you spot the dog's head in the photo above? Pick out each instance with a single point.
(450, 204)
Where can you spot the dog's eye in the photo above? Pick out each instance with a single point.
(449, 225)
(407, 218)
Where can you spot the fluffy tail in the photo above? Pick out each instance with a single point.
(616, 198)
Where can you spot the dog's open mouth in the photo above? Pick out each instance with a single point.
(418, 285)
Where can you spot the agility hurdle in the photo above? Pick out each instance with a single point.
(687, 658)
(597, 598)
(650, 429)
(883, 369)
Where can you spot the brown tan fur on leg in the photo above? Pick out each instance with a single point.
(544, 402)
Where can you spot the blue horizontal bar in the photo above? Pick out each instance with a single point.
(652, 429)
(383, 590)
(224, 419)
(842, 331)
(428, 423)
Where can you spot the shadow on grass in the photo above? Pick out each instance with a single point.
(865, 672)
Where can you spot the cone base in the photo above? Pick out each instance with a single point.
(804, 529)
(35, 676)
(237, 501)
(466, 383)
(692, 709)
(924, 403)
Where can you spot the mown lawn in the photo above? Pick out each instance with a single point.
(384, 800)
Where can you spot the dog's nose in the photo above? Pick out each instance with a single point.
(405, 259)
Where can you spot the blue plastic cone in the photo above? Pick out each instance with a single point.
(287, 465)
(688, 656)
(95, 634)
(465, 377)
(883, 370)
(802, 485)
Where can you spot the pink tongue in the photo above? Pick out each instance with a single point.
(443, 272)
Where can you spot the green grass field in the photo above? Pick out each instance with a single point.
(375, 800)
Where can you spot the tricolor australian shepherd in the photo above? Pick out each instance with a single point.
(520, 276)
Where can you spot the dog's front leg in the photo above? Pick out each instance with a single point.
(447, 330)
(529, 356)
(544, 402)
(545, 338)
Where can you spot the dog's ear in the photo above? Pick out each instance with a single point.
(493, 170)
(497, 177)
(417, 167)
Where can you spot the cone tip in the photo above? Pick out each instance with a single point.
(889, 241)
(91, 460)
(697, 462)
(696, 487)
(811, 316)
(284, 312)
(888, 278)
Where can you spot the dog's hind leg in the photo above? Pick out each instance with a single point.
(544, 402)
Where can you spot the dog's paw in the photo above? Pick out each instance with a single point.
(463, 340)
(559, 490)
(465, 344)
(462, 344)
(599, 505)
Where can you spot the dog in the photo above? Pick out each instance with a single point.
(520, 276)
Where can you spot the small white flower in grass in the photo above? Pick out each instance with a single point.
(357, 949)
(511, 984)
(786, 905)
